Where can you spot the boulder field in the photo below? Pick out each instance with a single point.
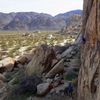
(41, 74)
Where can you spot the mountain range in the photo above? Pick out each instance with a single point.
(35, 21)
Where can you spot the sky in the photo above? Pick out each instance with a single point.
(52, 7)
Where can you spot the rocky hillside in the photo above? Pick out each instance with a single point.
(6, 19)
(35, 21)
(45, 73)
(73, 25)
(69, 72)
(89, 76)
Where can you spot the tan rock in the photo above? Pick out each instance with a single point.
(25, 58)
(22, 59)
(41, 61)
(90, 54)
(54, 62)
(58, 68)
(7, 63)
(32, 51)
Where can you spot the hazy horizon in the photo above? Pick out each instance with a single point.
(52, 7)
(38, 12)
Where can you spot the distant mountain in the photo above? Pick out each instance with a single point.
(70, 13)
(35, 21)
(6, 19)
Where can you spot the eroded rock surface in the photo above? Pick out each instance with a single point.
(89, 76)
(41, 61)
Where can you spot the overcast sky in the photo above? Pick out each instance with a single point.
(52, 7)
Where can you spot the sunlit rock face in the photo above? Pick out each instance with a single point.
(89, 76)
(42, 60)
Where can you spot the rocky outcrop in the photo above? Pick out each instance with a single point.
(52, 77)
(41, 61)
(73, 25)
(89, 76)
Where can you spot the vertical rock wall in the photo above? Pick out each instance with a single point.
(89, 75)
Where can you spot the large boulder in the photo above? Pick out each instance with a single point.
(43, 89)
(41, 61)
(7, 64)
(21, 59)
(89, 75)
(24, 59)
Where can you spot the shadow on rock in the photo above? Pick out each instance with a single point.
(28, 85)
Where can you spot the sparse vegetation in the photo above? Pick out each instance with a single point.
(14, 43)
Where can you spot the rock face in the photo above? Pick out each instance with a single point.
(41, 61)
(89, 76)
(58, 68)
(73, 25)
